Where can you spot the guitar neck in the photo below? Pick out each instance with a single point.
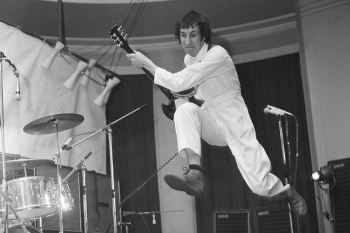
(150, 76)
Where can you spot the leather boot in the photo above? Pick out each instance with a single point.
(191, 182)
(296, 202)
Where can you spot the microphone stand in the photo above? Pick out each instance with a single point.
(65, 180)
(285, 166)
(2, 122)
(85, 213)
(108, 129)
(109, 132)
(2, 57)
(59, 180)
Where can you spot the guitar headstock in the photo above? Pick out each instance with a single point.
(120, 38)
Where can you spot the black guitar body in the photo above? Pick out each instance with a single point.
(169, 109)
(119, 37)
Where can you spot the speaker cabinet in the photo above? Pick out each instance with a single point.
(229, 221)
(340, 195)
(273, 219)
(98, 199)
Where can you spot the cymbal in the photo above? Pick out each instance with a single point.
(18, 164)
(53, 123)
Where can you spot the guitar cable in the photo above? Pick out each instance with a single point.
(147, 180)
(143, 184)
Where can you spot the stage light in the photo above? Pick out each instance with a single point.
(324, 175)
(102, 99)
(49, 60)
(85, 78)
(72, 81)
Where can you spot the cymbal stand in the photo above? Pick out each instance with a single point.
(59, 181)
(109, 132)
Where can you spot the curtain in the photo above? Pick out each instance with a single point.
(43, 96)
(134, 157)
(277, 82)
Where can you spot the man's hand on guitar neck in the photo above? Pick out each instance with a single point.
(141, 61)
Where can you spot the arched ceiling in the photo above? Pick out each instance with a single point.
(93, 18)
(248, 29)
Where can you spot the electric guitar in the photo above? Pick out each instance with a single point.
(120, 38)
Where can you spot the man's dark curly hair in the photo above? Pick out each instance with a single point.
(191, 19)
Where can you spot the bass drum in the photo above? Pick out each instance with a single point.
(19, 229)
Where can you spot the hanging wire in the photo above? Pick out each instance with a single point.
(130, 17)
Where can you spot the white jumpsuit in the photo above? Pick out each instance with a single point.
(223, 119)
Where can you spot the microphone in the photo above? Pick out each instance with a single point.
(76, 167)
(275, 111)
(18, 96)
(65, 146)
(126, 213)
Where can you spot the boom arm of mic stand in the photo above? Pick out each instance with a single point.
(106, 127)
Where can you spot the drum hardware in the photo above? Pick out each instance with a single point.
(85, 213)
(67, 201)
(126, 213)
(125, 225)
(7, 205)
(76, 168)
(4, 190)
(55, 124)
(83, 168)
(108, 129)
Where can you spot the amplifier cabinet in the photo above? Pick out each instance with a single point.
(340, 195)
(274, 219)
(231, 221)
(98, 199)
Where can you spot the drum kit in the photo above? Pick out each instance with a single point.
(30, 198)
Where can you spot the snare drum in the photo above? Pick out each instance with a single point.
(31, 197)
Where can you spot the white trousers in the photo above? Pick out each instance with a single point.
(226, 122)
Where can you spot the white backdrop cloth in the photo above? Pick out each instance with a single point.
(43, 95)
